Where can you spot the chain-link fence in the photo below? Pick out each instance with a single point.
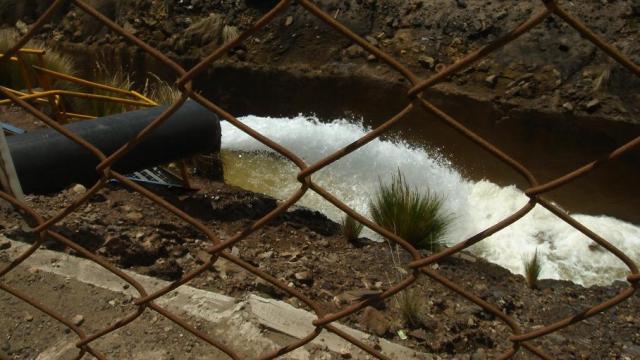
(420, 265)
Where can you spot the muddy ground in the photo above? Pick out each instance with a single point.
(305, 250)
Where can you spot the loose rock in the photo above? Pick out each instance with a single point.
(79, 189)
(77, 320)
(374, 321)
(4, 243)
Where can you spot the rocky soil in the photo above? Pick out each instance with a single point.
(305, 250)
(551, 69)
(22, 324)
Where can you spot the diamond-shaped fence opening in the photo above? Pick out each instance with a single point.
(420, 265)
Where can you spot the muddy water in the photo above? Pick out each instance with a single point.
(548, 151)
(550, 145)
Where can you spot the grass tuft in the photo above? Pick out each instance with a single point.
(351, 229)
(160, 91)
(116, 78)
(408, 303)
(532, 269)
(10, 75)
(413, 216)
(229, 33)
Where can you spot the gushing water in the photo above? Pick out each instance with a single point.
(566, 253)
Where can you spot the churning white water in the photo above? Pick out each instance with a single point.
(565, 252)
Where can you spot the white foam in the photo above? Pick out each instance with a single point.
(475, 205)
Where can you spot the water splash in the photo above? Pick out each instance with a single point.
(566, 253)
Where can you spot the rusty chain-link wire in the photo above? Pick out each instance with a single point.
(419, 264)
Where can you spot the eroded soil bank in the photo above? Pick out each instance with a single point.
(551, 68)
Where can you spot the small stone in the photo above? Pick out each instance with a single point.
(374, 321)
(77, 320)
(288, 21)
(304, 276)
(203, 256)
(4, 243)
(28, 317)
(491, 80)
(134, 216)
(235, 251)
(354, 51)
(112, 302)
(593, 105)
(419, 334)
(79, 189)
(373, 41)
(427, 62)
(567, 106)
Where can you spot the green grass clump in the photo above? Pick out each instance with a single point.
(414, 216)
(351, 229)
(532, 269)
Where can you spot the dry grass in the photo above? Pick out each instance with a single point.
(160, 91)
(409, 303)
(154, 88)
(10, 75)
(229, 33)
(116, 78)
(351, 228)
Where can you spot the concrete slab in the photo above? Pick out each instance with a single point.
(254, 324)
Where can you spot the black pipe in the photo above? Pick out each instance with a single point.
(46, 161)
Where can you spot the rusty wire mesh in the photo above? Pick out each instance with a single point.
(419, 265)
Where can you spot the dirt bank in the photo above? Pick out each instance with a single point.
(550, 69)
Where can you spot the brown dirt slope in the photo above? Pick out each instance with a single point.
(551, 68)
